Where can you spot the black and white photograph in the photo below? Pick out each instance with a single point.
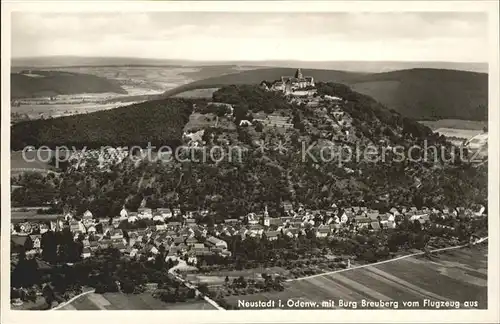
(214, 158)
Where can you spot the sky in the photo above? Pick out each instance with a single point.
(216, 36)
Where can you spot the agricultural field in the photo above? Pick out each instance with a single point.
(457, 133)
(36, 160)
(455, 124)
(139, 80)
(31, 215)
(119, 301)
(54, 110)
(456, 275)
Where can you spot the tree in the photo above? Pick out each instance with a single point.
(203, 288)
(258, 127)
(49, 246)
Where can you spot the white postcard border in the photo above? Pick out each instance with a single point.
(263, 316)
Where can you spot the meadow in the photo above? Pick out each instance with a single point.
(36, 160)
(36, 111)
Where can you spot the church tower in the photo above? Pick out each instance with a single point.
(298, 74)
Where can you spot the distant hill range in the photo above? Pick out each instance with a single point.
(35, 83)
(416, 93)
(355, 66)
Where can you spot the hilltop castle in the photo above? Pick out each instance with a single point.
(289, 84)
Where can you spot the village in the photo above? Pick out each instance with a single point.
(182, 236)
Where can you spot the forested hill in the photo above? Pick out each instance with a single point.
(265, 175)
(415, 93)
(50, 83)
(159, 122)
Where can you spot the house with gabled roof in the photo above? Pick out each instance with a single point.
(91, 229)
(164, 212)
(120, 246)
(191, 258)
(93, 245)
(160, 227)
(272, 235)
(87, 215)
(86, 253)
(252, 218)
(190, 241)
(86, 243)
(344, 218)
(272, 221)
(375, 226)
(173, 224)
(190, 222)
(363, 222)
(44, 228)
(171, 255)
(74, 226)
(116, 234)
(145, 212)
(190, 213)
(157, 217)
(104, 244)
(178, 240)
(37, 241)
(373, 214)
(206, 251)
(334, 227)
(322, 231)
(132, 217)
(198, 246)
(256, 229)
(213, 241)
(292, 232)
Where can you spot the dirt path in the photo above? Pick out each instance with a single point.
(72, 299)
(182, 264)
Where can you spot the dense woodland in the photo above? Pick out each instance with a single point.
(159, 122)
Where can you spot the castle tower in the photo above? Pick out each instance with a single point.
(298, 74)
